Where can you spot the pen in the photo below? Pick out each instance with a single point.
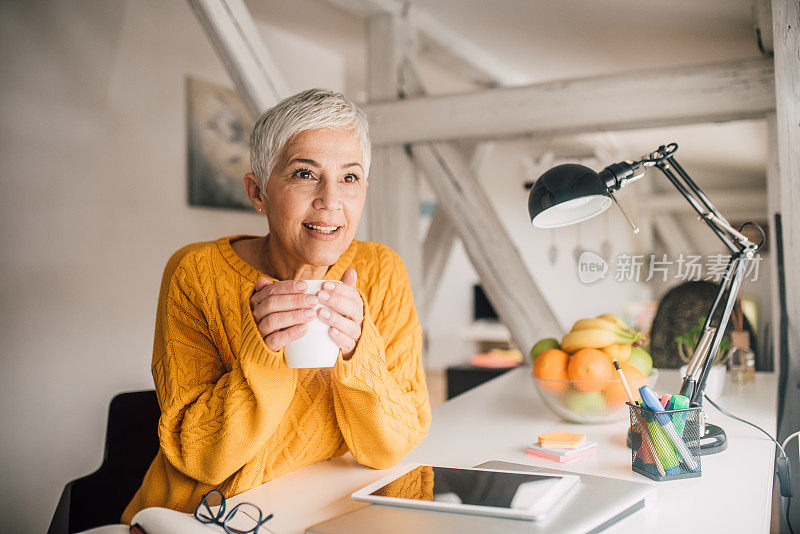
(624, 382)
(679, 402)
(651, 401)
(646, 438)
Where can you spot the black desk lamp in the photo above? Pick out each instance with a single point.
(568, 194)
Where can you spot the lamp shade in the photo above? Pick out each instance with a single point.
(567, 194)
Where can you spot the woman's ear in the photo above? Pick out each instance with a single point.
(253, 189)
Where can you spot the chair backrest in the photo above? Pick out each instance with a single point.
(131, 444)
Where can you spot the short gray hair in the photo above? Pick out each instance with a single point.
(309, 110)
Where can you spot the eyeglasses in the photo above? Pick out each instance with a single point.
(245, 518)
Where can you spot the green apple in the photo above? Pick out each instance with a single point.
(543, 345)
(585, 402)
(641, 360)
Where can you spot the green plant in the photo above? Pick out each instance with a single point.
(690, 339)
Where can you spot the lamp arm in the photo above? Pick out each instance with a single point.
(734, 276)
(742, 249)
(694, 187)
(706, 210)
(618, 175)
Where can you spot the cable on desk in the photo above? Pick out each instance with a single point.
(781, 467)
(721, 409)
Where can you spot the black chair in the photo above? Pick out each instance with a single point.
(131, 444)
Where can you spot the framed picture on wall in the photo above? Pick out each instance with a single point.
(218, 130)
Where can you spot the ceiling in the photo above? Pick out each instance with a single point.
(550, 40)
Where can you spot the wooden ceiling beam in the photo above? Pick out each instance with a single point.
(751, 199)
(786, 30)
(441, 44)
(504, 275)
(234, 35)
(734, 90)
(762, 22)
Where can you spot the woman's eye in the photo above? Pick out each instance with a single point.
(303, 174)
(350, 178)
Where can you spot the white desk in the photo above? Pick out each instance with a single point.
(498, 419)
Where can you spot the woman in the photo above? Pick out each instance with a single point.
(233, 414)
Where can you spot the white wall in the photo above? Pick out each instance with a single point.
(92, 163)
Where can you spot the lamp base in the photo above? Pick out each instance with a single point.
(713, 441)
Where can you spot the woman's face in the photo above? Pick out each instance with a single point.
(315, 196)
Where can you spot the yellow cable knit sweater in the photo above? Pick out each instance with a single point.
(234, 415)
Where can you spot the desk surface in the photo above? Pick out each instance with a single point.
(497, 420)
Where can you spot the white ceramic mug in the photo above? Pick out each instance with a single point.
(315, 348)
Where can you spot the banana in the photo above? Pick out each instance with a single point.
(618, 351)
(585, 324)
(614, 319)
(590, 338)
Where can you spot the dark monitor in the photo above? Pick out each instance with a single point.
(481, 307)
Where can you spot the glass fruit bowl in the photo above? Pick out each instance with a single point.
(590, 401)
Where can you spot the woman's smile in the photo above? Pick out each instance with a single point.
(323, 231)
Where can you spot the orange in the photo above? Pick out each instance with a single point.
(590, 364)
(615, 393)
(552, 365)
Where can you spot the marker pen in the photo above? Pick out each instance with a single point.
(651, 401)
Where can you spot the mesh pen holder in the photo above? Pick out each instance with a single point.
(665, 445)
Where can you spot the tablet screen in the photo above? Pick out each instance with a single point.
(465, 486)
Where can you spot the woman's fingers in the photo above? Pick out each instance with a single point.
(261, 283)
(343, 299)
(338, 321)
(282, 310)
(277, 340)
(344, 342)
(281, 320)
(282, 303)
(350, 277)
(282, 287)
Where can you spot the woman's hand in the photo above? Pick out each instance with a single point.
(344, 312)
(281, 310)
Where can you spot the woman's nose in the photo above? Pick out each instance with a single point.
(328, 196)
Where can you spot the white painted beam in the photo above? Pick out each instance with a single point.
(440, 43)
(733, 90)
(752, 200)
(452, 174)
(392, 206)
(460, 55)
(762, 22)
(436, 250)
(673, 236)
(773, 207)
(441, 236)
(504, 276)
(786, 32)
(235, 37)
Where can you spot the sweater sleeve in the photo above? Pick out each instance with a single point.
(215, 414)
(380, 395)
